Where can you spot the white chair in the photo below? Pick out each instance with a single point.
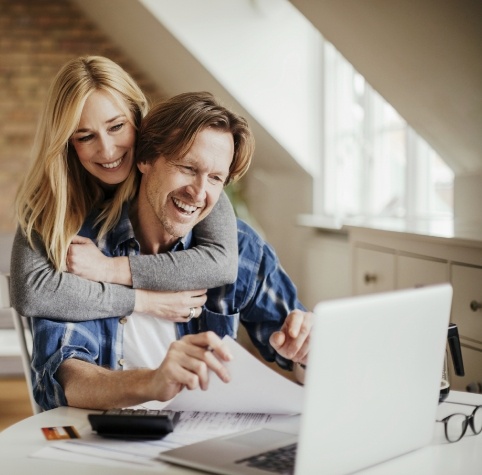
(24, 336)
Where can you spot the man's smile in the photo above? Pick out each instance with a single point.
(184, 207)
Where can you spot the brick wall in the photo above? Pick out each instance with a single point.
(36, 38)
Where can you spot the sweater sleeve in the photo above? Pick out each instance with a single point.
(213, 262)
(37, 290)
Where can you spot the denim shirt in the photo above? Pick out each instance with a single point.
(260, 298)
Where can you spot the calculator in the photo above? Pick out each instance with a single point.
(133, 423)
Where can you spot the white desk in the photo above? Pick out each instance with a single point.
(440, 458)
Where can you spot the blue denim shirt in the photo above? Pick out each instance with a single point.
(260, 299)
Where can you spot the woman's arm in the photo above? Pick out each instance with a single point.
(36, 289)
(213, 262)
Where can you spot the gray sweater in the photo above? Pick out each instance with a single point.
(37, 290)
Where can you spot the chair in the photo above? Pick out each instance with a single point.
(24, 336)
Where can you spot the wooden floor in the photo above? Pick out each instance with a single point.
(14, 401)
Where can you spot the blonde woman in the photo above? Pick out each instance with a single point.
(84, 162)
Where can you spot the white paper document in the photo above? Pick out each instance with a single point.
(253, 388)
(256, 395)
(192, 427)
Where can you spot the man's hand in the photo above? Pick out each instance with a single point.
(187, 365)
(86, 260)
(173, 306)
(292, 341)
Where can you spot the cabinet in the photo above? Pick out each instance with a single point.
(382, 269)
(374, 270)
(389, 260)
(416, 271)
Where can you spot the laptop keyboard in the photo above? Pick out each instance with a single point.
(280, 460)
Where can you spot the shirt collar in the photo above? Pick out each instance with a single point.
(121, 233)
(124, 231)
(183, 243)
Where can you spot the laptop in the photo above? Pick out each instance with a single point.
(371, 391)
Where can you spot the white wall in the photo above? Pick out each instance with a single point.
(6, 240)
(326, 267)
(266, 54)
(285, 189)
(423, 57)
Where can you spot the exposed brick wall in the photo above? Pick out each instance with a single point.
(36, 38)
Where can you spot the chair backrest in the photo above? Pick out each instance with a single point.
(24, 337)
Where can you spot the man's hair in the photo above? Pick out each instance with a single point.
(171, 127)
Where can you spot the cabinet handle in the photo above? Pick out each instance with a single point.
(370, 278)
(474, 305)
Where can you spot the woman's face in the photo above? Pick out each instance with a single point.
(105, 139)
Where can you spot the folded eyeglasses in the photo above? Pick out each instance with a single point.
(456, 424)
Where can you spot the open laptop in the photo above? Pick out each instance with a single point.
(371, 390)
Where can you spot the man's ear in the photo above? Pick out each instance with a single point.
(143, 166)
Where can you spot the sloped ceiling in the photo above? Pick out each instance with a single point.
(424, 57)
(174, 69)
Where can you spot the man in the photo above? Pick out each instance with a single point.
(189, 148)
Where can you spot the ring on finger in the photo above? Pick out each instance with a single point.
(192, 313)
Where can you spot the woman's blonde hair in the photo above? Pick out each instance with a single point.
(58, 193)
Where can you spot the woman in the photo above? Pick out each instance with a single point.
(83, 162)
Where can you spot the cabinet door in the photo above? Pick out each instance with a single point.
(472, 381)
(467, 301)
(374, 271)
(467, 285)
(418, 272)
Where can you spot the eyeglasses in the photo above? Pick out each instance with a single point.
(456, 424)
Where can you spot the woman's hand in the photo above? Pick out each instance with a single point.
(187, 365)
(173, 306)
(86, 260)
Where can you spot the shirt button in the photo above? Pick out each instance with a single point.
(121, 362)
(123, 320)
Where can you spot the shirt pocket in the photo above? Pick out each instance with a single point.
(219, 323)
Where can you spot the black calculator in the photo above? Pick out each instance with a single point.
(133, 423)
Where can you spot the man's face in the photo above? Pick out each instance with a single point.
(180, 193)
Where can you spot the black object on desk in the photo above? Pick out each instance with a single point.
(133, 423)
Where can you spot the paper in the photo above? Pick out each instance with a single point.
(192, 427)
(255, 396)
(253, 388)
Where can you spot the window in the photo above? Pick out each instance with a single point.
(374, 164)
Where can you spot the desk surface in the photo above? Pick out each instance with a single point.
(19, 441)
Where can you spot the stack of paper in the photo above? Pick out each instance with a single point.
(255, 395)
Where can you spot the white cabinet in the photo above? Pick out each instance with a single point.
(374, 270)
(382, 269)
(388, 260)
(467, 302)
(418, 271)
(467, 314)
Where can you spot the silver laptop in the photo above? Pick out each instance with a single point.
(371, 391)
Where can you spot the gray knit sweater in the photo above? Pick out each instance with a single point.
(37, 290)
